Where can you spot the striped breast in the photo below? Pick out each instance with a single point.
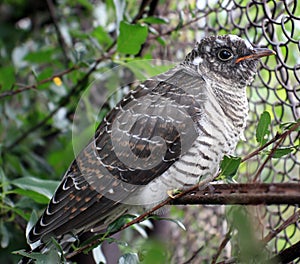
(219, 129)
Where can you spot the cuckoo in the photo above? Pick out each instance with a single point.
(169, 133)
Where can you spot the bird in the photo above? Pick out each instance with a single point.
(168, 133)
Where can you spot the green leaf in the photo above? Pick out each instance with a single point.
(44, 187)
(131, 38)
(40, 56)
(7, 77)
(4, 235)
(250, 248)
(44, 74)
(144, 69)
(262, 128)
(37, 197)
(153, 252)
(154, 20)
(282, 152)
(177, 222)
(102, 36)
(50, 257)
(230, 165)
(118, 223)
(288, 125)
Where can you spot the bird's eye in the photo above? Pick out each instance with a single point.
(225, 54)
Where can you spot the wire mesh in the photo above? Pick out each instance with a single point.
(276, 89)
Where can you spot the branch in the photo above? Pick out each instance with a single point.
(243, 194)
(291, 220)
(170, 31)
(194, 255)
(61, 41)
(272, 152)
(222, 246)
(64, 101)
(34, 86)
(287, 255)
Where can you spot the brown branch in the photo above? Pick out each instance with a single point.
(243, 194)
(170, 31)
(60, 38)
(194, 255)
(291, 220)
(34, 86)
(258, 193)
(222, 246)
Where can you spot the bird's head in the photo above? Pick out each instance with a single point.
(228, 57)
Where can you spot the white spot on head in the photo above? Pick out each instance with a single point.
(196, 61)
(220, 41)
(236, 38)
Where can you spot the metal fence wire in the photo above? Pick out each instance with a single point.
(276, 89)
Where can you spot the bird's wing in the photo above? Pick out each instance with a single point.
(137, 141)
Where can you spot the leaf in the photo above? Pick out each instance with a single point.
(37, 197)
(102, 36)
(44, 187)
(7, 77)
(50, 257)
(144, 69)
(131, 38)
(262, 128)
(118, 223)
(4, 235)
(282, 152)
(177, 222)
(288, 125)
(40, 56)
(230, 165)
(154, 20)
(129, 258)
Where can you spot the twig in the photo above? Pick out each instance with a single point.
(170, 31)
(282, 138)
(291, 220)
(194, 255)
(34, 86)
(58, 32)
(74, 90)
(222, 246)
(257, 151)
(140, 13)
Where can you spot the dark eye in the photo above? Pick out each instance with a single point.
(225, 54)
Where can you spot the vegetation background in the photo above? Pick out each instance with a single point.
(52, 51)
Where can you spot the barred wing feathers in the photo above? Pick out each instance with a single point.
(137, 141)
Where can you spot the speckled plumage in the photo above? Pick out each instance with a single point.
(168, 133)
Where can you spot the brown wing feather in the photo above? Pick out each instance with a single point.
(138, 140)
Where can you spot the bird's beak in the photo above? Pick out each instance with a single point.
(258, 53)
